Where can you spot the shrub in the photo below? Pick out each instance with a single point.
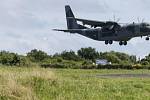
(37, 55)
(88, 53)
(10, 59)
(114, 67)
(25, 62)
(70, 56)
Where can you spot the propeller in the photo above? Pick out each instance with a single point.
(115, 23)
(116, 20)
(140, 20)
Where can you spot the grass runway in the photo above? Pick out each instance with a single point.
(73, 84)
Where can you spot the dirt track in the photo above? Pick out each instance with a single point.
(124, 75)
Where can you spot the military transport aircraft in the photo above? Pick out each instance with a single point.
(107, 31)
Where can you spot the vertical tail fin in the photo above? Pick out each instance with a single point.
(71, 21)
(69, 12)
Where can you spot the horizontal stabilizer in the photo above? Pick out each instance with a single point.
(70, 30)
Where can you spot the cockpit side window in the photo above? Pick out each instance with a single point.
(145, 24)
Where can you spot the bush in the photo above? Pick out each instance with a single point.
(70, 56)
(62, 64)
(88, 53)
(37, 55)
(57, 65)
(88, 67)
(25, 62)
(121, 67)
(10, 59)
(59, 60)
(144, 62)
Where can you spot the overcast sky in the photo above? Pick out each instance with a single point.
(27, 24)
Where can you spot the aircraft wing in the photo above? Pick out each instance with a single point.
(96, 23)
(69, 30)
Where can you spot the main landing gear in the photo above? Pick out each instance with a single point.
(108, 42)
(147, 38)
(123, 43)
(111, 42)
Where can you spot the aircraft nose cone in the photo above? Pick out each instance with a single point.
(147, 29)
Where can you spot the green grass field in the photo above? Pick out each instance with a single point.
(71, 84)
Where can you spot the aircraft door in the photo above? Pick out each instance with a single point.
(137, 29)
(99, 34)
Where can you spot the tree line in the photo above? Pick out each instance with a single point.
(70, 59)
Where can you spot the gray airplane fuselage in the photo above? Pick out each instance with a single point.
(125, 33)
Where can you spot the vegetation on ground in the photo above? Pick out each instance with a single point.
(18, 83)
(30, 77)
(84, 58)
(37, 83)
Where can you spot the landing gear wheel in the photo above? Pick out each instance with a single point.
(125, 42)
(106, 42)
(147, 38)
(110, 42)
(120, 43)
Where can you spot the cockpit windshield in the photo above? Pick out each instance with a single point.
(145, 24)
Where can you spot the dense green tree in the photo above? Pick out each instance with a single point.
(117, 57)
(37, 55)
(111, 57)
(85, 54)
(56, 55)
(147, 58)
(8, 58)
(71, 55)
(133, 59)
(145, 61)
(88, 53)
